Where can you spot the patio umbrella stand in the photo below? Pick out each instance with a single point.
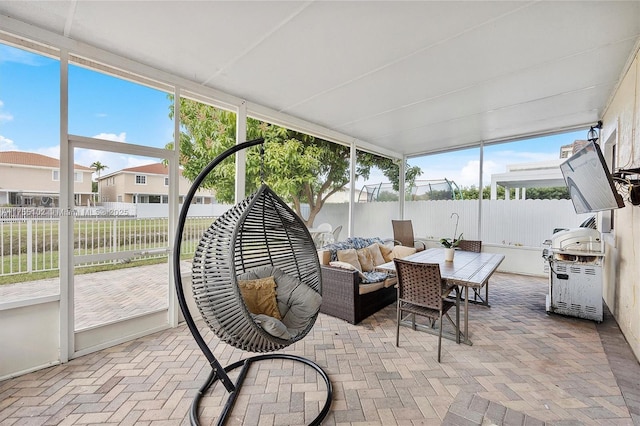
(259, 235)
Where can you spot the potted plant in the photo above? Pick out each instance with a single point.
(450, 244)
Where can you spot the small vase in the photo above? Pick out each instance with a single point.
(448, 254)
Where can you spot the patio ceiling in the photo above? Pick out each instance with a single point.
(409, 77)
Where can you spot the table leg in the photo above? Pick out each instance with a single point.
(466, 316)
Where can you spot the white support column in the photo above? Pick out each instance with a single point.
(480, 172)
(174, 202)
(352, 187)
(401, 185)
(241, 156)
(65, 238)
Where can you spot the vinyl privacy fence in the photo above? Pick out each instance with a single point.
(520, 223)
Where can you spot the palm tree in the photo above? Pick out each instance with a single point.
(98, 166)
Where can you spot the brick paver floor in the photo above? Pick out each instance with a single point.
(524, 367)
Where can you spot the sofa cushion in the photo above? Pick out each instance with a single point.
(350, 256)
(376, 254)
(390, 282)
(385, 251)
(348, 266)
(370, 287)
(365, 257)
(401, 252)
(324, 257)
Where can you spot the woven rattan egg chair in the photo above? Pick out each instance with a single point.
(259, 238)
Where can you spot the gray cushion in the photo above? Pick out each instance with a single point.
(273, 326)
(298, 303)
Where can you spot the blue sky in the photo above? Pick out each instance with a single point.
(111, 108)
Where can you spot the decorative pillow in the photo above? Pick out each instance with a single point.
(272, 326)
(376, 254)
(385, 250)
(345, 265)
(260, 296)
(401, 252)
(324, 257)
(350, 256)
(366, 259)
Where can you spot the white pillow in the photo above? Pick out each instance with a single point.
(345, 265)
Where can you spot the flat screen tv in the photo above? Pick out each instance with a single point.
(589, 181)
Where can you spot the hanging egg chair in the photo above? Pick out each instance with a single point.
(256, 281)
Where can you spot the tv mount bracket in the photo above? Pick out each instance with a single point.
(627, 183)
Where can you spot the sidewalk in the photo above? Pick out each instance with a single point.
(102, 297)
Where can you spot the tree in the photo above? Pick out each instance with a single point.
(299, 167)
(98, 167)
(556, 193)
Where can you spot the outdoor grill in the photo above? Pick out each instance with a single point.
(575, 259)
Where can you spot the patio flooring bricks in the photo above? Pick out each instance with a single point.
(525, 367)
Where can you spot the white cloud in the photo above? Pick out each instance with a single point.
(4, 116)
(122, 137)
(113, 160)
(52, 151)
(7, 144)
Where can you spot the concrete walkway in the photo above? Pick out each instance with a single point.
(104, 297)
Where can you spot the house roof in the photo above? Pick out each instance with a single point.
(155, 168)
(150, 169)
(32, 159)
(397, 77)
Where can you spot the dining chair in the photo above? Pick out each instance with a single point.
(325, 227)
(476, 247)
(423, 292)
(403, 234)
(336, 233)
(324, 234)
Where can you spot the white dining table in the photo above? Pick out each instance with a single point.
(467, 270)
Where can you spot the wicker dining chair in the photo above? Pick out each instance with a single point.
(423, 292)
(403, 234)
(476, 247)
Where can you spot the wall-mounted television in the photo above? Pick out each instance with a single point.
(589, 181)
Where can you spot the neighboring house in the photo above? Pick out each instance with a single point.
(145, 184)
(540, 174)
(33, 180)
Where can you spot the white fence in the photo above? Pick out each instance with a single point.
(518, 223)
(31, 244)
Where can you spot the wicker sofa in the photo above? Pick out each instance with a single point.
(351, 293)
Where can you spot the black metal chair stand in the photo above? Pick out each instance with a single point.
(229, 316)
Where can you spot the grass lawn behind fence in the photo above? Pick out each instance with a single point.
(91, 236)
